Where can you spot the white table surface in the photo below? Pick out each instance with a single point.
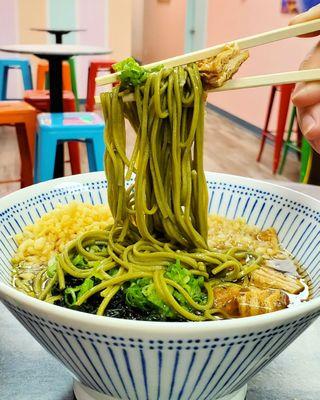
(54, 49)
(27, 372)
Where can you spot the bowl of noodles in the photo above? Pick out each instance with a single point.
(156, 279)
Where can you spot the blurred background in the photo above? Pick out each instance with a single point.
(151, 30)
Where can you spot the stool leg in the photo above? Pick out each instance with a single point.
(35, 161)
(27, 78)
(74, 154)
(66, 76)
(41, 77)
(95, 149)
(91, 88)
(281, 124)
(74, 81)
(46, 155)
(25, 156)
(266, 125)
(306, 160)
(3, 82)
(288, 141)
(31, 134)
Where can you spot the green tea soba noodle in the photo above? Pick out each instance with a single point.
(158, 197)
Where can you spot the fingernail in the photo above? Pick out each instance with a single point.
(307, 123)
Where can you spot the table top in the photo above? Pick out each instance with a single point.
(55, 49)
(54, 31)
(28, 372)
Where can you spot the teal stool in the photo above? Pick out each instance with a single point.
(62, 127)
(14, 63)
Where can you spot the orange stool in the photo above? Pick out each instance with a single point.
(285, 95)
(40, 99)
(23, 117)
(94, 67)
(43, 70)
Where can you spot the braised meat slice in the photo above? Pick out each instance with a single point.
(237, 301)
(215, 71)
(255, 301)
(265, 277)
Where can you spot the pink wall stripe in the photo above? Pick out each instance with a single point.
(92, 17)
(8, 21)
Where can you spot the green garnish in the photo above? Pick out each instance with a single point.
(72, 294)
(52, 267)
(142, 294)
(131, 73)
(79, 261)
(113, 271)
(87, 285)
(193, 284)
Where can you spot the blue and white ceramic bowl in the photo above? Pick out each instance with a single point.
(167, 360)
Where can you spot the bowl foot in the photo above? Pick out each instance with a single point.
(84, 393)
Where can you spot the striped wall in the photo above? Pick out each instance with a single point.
(8, 30)
(61, 13)
(107, 24)
(30, 14)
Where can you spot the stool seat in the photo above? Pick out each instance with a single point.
(23, 117)
(14, 63)
(40, 99)
(70, 121)
(13, 107)
(54, 128)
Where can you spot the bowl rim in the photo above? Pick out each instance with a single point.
(68, 317)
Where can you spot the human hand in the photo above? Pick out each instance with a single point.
(306, 96)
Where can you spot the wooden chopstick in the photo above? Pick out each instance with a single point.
(281, 78)
(244, 43)
(307, 75)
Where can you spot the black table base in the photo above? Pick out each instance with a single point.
(56, 105)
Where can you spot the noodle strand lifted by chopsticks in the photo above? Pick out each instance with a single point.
(162, 217)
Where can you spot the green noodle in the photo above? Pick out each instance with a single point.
(162, 217)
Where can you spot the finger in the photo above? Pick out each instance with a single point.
(312, 59)
(309, 122)
(306, 94)
(311, 14)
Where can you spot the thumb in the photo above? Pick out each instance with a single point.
(309, 122)
(307, 93)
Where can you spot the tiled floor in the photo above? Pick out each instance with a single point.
(228, 148)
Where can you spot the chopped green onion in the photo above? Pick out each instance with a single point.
(87, 285)
(131, 73)
(52, 267)
(79, 261)
(70, 292)
(76, 292)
